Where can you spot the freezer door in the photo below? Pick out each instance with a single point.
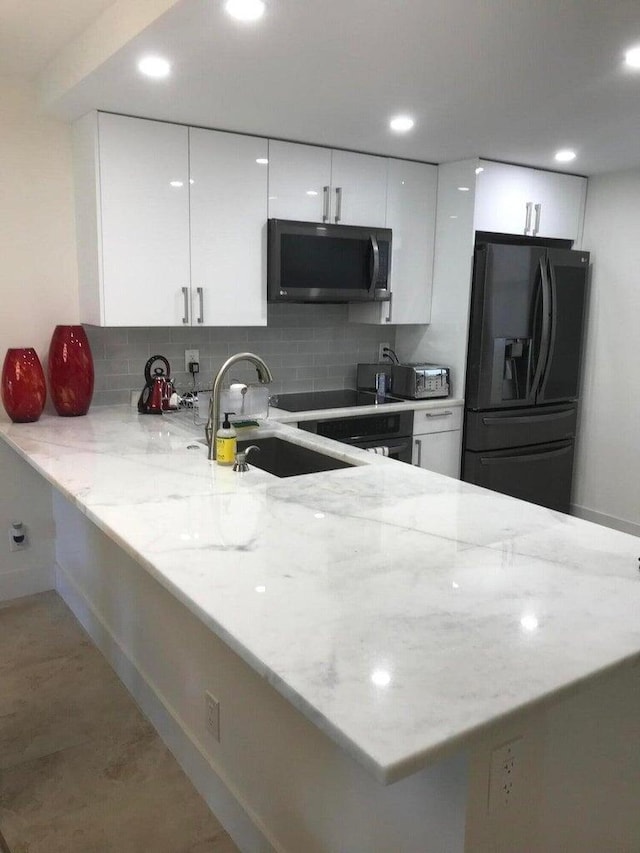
(517, 428)
(567, 273)
(506, 302)
(540, 474)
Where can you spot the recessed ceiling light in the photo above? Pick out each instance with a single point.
(401, 124)
(176, 183)
(565, 155)
(632, 57)
(479, 169)
(262, 160)
(245, 10)
(154, 66)
(312, 192)
(463, 189)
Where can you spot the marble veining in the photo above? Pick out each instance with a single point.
(400, 610)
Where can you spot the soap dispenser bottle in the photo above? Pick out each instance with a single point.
(226, 442)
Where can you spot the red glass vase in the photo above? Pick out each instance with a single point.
(70, 371)
(23, 387)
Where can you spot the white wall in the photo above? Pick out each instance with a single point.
(38, 288)
(607, 481)
(37, 238)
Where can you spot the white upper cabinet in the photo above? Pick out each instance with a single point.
(411, 215)
(562, 201)
(517, 200)
(171, 224)
(299, 182)
(314, 184)
(359, 189)
(143, 222)
(228, 228)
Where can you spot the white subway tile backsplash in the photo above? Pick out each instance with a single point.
(308, 347)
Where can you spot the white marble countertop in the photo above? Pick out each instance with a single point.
(401, 611)
(285, 417)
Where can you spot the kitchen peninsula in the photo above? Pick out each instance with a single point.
(361, 629)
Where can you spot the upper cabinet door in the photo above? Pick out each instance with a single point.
(228, 228)
(144, 185)
(299, 181)
(359, 189)
(502, 195)
(411, 215)
(562, 199)
(517, 200)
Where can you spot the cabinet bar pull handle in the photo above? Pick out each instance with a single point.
(325, 204)
(338, 203)
(200, 293)
(185, 294)
(536, 227)
(527, 222)
(438, 414)
(418, 444)
(387, 319)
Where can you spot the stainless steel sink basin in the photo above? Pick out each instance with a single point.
(285, 459)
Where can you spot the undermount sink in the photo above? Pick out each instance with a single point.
(285, 459)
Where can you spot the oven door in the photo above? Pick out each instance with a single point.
(396, 448)
(391, 430)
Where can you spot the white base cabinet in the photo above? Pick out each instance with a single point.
(437, 436)
(171, 224)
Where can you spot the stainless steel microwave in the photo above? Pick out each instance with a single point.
(311, 262)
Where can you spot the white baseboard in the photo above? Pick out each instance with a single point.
(606, 520)
(26, 582)
(216, 793)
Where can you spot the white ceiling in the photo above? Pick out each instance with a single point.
(512, 80)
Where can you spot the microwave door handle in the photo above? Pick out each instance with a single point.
(376, 262)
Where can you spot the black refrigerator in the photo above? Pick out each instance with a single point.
(523, 367)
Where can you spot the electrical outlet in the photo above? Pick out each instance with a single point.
(504, 775)
(212, 715)
(189, 356)
(381, 349)
(17, 536)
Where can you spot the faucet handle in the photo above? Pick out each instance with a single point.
(240, 464)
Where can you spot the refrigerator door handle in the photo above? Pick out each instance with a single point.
(545, 333)
(528, 419)
(528, 457)
(552, 327)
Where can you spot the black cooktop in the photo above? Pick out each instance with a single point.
(311, 400)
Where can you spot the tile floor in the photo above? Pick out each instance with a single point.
(81, 769)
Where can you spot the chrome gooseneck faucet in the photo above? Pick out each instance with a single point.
(264, 375)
